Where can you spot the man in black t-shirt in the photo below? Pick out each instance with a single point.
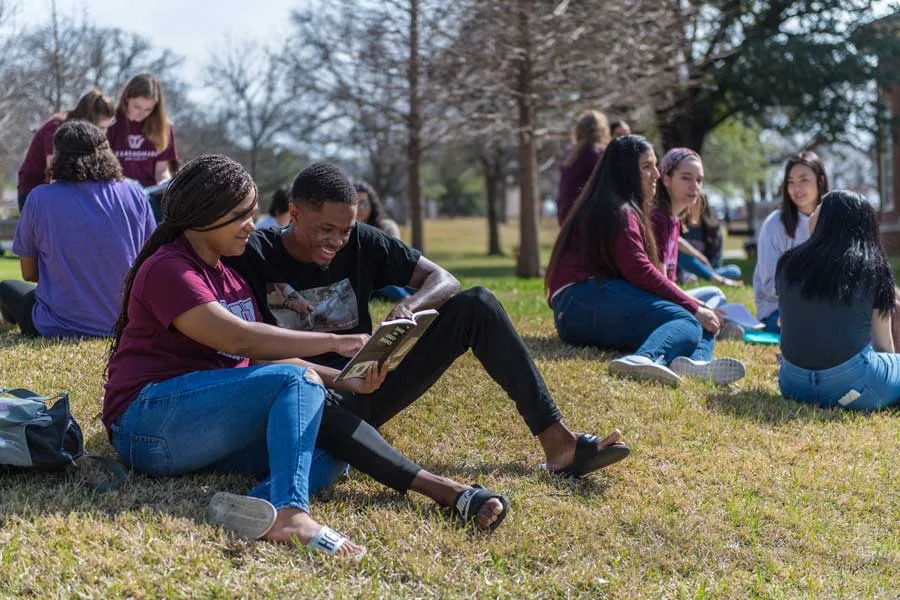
(317, 275)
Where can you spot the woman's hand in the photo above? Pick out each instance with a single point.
(348, 345)
(708, 319)
(365, 385)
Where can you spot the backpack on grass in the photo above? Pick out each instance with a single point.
(40, 434)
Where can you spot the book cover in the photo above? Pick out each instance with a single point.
(390, 343)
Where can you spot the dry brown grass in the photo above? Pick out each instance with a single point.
(731, 493)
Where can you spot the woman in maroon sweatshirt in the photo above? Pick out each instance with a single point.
(605, 282)
(93, 107)
(591, 136)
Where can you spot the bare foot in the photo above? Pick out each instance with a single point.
(292, 524)
(488, 513)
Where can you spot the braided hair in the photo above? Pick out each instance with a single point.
(204, 190)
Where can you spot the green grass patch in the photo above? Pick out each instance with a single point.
(729, 493)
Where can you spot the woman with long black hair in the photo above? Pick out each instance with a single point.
(608, 289)
(835, 296)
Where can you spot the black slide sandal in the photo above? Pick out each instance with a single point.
(470, 501)
(588, 458)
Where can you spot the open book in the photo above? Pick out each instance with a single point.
(390, 343)
(737, 313)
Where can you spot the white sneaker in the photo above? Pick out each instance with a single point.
(643, 369)
(721, 371)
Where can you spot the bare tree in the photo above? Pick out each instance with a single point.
(372, 61)
(520, 65)
(61, 59)
(259, 97)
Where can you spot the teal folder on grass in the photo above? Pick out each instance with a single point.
(761, 337)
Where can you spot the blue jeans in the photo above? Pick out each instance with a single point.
(693, 265)
(394, 293)
(874, 375)
(261, 420)
(706, 293)
(616, 314)
(771, 322)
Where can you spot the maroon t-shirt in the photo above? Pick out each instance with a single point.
(33, 171)
(573, 177)
(137, 154)
(171, 282)
(632, 263)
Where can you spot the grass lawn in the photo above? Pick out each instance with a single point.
(728, 493)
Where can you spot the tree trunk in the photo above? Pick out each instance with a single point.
(414, 127)
(529, 261)
(492, 163)
(686, 124)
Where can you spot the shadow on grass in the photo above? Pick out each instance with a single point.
(550, 347)
(11, 337)
(763, 406)
(483, 271)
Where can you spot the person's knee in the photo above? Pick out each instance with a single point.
(301, 377)
(479, 298)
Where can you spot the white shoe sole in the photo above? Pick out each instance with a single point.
(721, 371)
(247, 517)
(650, 372)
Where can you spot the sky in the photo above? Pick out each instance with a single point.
(191, 28)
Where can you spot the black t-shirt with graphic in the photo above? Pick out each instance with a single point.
(306, 297)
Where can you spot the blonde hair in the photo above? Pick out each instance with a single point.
(590, 128)
(156, 125)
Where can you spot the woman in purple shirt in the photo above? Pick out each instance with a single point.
(607, 287)
(76, 239)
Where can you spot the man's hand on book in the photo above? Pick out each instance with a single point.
(348, 345)
(401, 311)
(365, 385)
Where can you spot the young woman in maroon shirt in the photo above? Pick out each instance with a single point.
(142, 138)
(606, 285)
(93, 107)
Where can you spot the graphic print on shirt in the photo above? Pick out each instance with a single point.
(135, 141)
(242, 309)
(327, 308)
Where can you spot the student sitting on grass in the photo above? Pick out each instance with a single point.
(591, 136)
(680, 187)
(805, 182)
(335, 262)
(606, 285)
(76, 238)
(700, 247)
(182, 395)
(835, 295)
(93, 107)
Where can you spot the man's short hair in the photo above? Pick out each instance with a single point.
(320, 183)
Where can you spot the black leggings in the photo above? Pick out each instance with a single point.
(16, 304)
(472, 319)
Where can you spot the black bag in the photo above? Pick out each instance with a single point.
(38, 432)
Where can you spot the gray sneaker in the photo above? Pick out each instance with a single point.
(721, 371)
(731, 331)
(643, 369)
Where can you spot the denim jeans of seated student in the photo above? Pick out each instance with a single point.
(706, 294)
(874, 376)
(693, 265)
(259, 420)
(616, 314)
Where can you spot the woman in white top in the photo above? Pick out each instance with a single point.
(805, 182)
